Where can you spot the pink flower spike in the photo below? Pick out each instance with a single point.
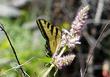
(72, 37)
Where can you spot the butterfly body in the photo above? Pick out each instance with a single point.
(51, 33)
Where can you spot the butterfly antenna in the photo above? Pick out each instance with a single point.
(90, 55)
(13, 49)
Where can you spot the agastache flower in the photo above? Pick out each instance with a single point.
(63, 61)
(72, 37)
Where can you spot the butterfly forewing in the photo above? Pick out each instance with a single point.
(51, 33)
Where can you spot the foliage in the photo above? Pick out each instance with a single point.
(32, 57)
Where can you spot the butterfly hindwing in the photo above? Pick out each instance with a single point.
(51, 34)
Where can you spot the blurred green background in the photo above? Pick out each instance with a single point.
(19, 20)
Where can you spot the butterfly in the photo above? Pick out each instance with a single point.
(52, 35)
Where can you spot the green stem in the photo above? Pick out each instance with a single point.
(47, 72)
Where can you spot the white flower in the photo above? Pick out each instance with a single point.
(63, 61)
(71, 38)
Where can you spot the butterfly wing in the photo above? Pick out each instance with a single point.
(51, 34)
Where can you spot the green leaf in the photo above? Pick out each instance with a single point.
(45, 59)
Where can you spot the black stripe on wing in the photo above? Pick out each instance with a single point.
(56, 33)
(40, 26)
(52, 28)
(47, 46)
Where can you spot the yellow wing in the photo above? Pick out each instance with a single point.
(51, 34)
